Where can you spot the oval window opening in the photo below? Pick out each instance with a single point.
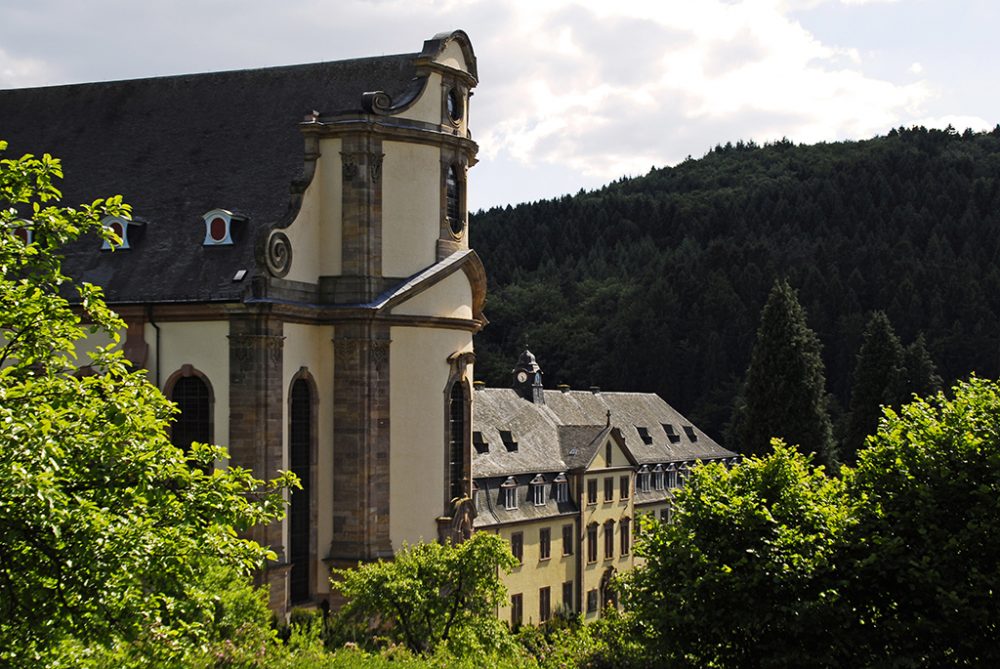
(217, 229)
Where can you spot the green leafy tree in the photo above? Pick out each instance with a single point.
(110, 537)
(430, 594)
(784, 394)
(925, 550)
(879, 375)
(746, 573)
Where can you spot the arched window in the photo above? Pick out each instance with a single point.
(456, 441)
(194, 423)
(453, 200)
(299, 515)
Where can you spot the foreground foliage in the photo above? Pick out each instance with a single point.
(774, 563)
(111, 539)
(430, 594)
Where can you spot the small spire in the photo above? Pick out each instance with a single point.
(609, 418)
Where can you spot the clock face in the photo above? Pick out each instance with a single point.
(522, 377)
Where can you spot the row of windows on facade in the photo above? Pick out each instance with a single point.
(659, 478)
(510, 443)
(193, 423)
(219, 228)
(545, 603)
(220, 224)
(545, 541)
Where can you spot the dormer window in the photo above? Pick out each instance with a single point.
(658, 477)
(120, 226)
(671, 433)
(24, 232)
(508, 493)
(481, 445)
(643, 479)
(219, 227)
(671, 475)
(644, 434)
(561, 488)
(689, 431)
(538, 490)
(508, 441)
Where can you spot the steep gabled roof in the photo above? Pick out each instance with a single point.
(177, 147)
(563, 433)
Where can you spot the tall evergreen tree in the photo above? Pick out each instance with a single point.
(920, 373)
(879, 379)
(784, 394)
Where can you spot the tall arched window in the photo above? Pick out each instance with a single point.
(194, 423)
(299, 515)
(453, 200)
(456, 441)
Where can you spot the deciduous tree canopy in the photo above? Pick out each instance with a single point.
(773, 563)
(109, 535)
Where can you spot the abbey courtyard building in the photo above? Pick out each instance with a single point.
(297, 276)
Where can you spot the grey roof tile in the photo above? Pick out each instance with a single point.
(546, 434)
(175, 148)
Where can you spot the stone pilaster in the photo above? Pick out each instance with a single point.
(255, 423)
(361, 245)
(360, 444)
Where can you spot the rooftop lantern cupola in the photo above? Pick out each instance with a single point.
(528, 378)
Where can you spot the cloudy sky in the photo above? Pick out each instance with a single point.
(573, 93)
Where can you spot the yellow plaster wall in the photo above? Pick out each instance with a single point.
(601, 512)
(427, 108)
(452, 56)
(534, 573)
(411, 207)
(305, 233)
(311, 346)
(205, 346)
(419, 370)
(450, 298)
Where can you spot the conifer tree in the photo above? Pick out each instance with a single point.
(921, 377)
(784, 394)
(879, 379)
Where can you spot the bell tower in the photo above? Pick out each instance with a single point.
(528, 378)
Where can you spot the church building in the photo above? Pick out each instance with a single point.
(297, 277)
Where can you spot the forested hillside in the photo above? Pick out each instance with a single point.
(656, 283)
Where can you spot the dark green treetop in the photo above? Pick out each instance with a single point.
(784, 394)
(878, 380)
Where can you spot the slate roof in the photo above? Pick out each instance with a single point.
(547, 433)
(176, 147)
(490, 509)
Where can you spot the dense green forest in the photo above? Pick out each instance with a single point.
(656, 283)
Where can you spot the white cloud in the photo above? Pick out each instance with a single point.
(916, 68)
(595, 87)
(22, 72)
(744, 68)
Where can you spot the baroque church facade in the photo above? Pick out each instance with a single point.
(297, 276)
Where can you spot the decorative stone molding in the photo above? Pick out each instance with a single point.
(458, 526)
(376, 102)
(279, 254)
